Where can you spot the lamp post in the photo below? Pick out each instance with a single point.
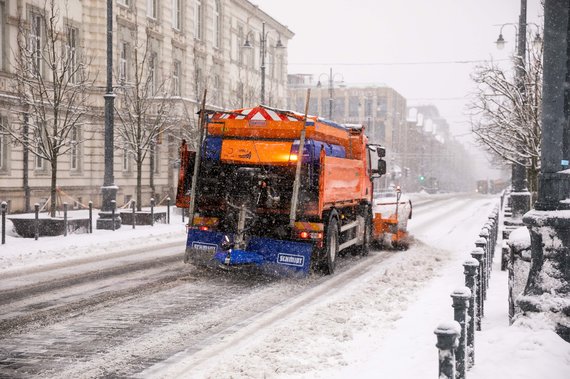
(548, 286)
(263, 51)
(106, 218)
(330, 77)
(520, 196)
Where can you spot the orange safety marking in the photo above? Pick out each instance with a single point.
(314, 226)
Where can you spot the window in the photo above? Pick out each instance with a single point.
(124, 2)
(39, 163)
(71, 48)
(123, 59)
(353, 105)
(338, 109)
(151, 9)
(176, 79)
(36, 43)
(217, 24)
(177, 14)
(152, 74)
(126, 156)
(2, 34)
(382, 106)
(240, 49)
(75, 150)
(217, 88)
(198, 19)
(368, 107)
(3, 147)
(155, 157)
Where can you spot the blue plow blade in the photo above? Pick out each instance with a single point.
(272, 256)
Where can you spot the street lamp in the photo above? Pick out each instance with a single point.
(520, 197)
(263, 49)
(330, 77)
(107, 219)
(501, 42)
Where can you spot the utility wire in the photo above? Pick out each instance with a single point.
(393, 63)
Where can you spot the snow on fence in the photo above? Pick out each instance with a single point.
(35, 221)
(456, 339)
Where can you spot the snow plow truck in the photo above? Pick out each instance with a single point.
(278, 190)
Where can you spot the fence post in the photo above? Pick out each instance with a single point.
(4, 205)
(447, 334)
(489, 226)
(152, 211)
(478, 254)
(113, 211)
(65, 219)
(470, 270)
(168, 210)
(481, 243)
(461, 298)
(37, 221)
(90, 217)
(134, 214)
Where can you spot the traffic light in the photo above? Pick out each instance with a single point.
(422, 178)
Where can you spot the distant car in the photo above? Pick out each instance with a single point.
(391, 210)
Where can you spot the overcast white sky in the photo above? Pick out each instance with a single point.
(368, 41)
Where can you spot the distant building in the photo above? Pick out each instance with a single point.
(381, 109)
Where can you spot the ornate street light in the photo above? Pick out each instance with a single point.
(107, 218)
(330, 79)
(263, 50)
(520, 197)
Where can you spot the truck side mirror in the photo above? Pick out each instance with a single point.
(381, 167)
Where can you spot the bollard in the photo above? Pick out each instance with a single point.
(113, 210)
(481, 243)
(447, 334)
(168, 210)
(4, 205)
(37, 221)
(152, 211)
(471, 267)
(65, 219)
(134, 214)
(461, 298)
(491, 228)
(90, 217)
(478, 255)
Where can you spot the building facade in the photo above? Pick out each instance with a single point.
(183, 46)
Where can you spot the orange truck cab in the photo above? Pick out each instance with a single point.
(253, 207)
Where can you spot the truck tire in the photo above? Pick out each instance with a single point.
(331, 246)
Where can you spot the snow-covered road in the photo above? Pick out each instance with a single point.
(374, 318)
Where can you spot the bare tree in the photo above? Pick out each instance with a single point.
(506, 112)
(144, 110)
(52, 81)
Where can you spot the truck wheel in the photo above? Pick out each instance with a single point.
(331, 247)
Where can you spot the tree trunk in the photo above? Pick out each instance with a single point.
(139, 182)
(53, 187)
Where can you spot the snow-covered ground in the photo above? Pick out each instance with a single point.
(380, 325)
